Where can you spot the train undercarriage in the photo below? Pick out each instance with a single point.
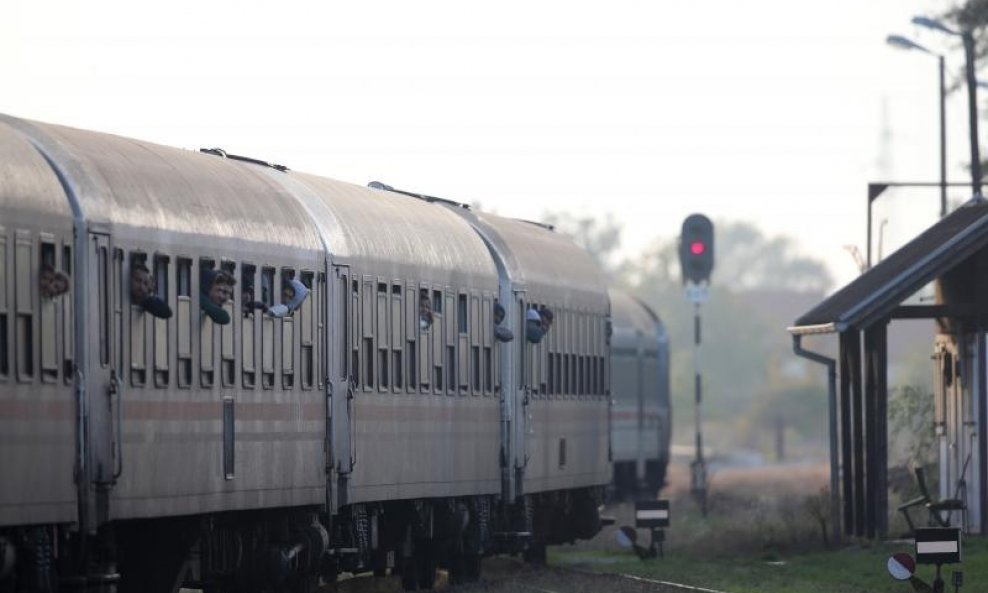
(293, 550)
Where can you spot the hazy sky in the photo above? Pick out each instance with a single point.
(770, 111)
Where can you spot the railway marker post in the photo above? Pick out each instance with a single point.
(654, 516)
(696, 260)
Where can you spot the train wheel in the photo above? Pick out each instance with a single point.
(425, 564)
(471, 567)
(409, 578)
(535, 553)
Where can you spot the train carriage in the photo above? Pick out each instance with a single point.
(556, 393)
(37, 401)
(378, 426)
(641, 420)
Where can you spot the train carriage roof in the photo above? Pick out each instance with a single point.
(28, 186)
(406, 235)
(629, 316)
(548, 264)
(120, 181)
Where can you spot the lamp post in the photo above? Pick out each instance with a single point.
(972, 92)
(904, 43)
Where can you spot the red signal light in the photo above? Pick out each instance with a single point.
(697, 247)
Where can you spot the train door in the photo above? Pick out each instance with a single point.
(103, 396)
(342, 454)
(517, 387)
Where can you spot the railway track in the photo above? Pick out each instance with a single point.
(507, 575)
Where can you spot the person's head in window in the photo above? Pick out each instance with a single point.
(51, 282)
(501, 333)
(534, 329)
(141, 283)
(218, 286)
(498, 313)
(425, 309)
(546, 314)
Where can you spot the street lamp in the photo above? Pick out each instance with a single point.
(972, 90)
(904, 43)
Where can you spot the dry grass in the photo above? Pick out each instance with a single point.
(762, 511)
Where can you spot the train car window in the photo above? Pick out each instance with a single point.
(267, 286)
(24, 292)
(322, 291)
(228, 359)
(553, 387)
(451, 365)
(138, 372)
(207, 374)
(476, 368)
(437, 301)
(344, 317)
(67, 259)
(267, 329)
(120, 289)
(397, 338)
(368, 356)
(183, 317)
(353, 331)
(583, 375)
(367, 324)
(4, 346)
(287, 336)
(462, 313)
(307, 322)
(103, 298)
(68, 330)
(383, 316)
(411, 327)
(248, 325)
(161, 277)
(47, 254)
(288, 353)
(48, 321)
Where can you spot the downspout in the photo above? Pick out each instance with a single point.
(798, 350)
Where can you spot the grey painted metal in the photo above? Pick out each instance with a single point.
(185, 204)
(420, 444)
(547, 268)
(641, 420)
(38, 432)
(510, 296)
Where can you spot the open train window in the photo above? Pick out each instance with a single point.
(461, 313)
(267, 286)
(287, 336)
(68, 329)
(138, 372)
(161, 369)
(207, 372)
(228, 360)
(248, 326)
(47, 319)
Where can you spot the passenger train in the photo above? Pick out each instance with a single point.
(143, 453)
(641, 417)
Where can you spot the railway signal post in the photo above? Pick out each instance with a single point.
(696, 260)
